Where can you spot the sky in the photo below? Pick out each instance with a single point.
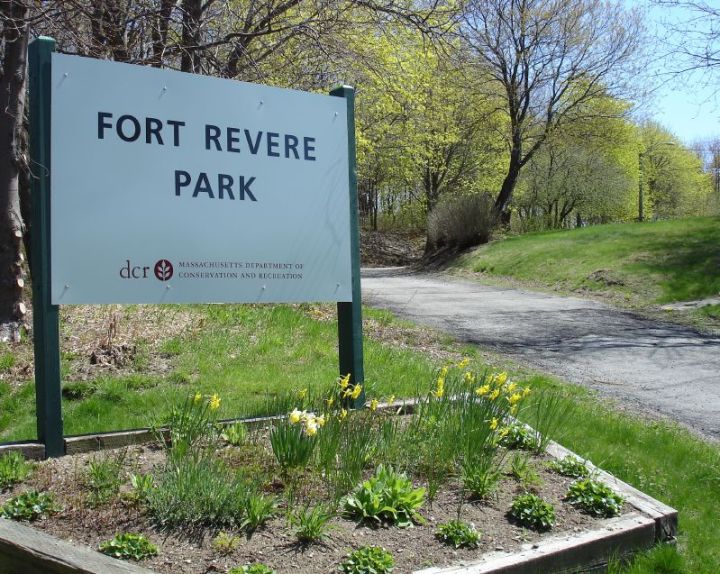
(688, 105)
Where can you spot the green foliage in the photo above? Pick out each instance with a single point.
(481, 476)
(388, 497)
(594, 497)
(291, 446)
(142, 486)
(523, 470)
(225, 543)
(192, 425)
(128, 546)
(519, 436)
(235, 434)
(7, 362)
(29, 505)
(259, 508)
(570, 466)
(532, 511)
(312, 524)
(548, 412)
(13, 469)
(257, 568)
(104, 478)
(459, 534)
(368, 560)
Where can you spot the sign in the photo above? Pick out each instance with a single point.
(176, 188)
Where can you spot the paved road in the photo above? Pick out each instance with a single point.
(655, 367)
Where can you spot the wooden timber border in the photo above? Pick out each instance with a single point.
(24, 550)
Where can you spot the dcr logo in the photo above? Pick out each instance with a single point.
(163, 270)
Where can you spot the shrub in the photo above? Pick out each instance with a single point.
(458, 534)
(368, 560)
(312, 524)
(29, 505)
(532, 511)
(13, 469)
(129, 546)
(460, 222)
(594, 497)
(570, 466)
(388, 497)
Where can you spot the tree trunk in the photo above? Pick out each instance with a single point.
(12, 109)
(192, 16)
(502, 202)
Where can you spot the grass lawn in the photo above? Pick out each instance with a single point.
(249, 354)
(640, 264)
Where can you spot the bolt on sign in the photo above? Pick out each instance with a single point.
(176, 188)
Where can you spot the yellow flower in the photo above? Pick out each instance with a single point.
(391, 399)
(374, 405)
(439, 391)
(504, 431)
(344, 381)
(343, 414)
(501, 378)
(357, 389)
(330, 402)
(469, 378)
(511, 387)
(320, 421)
(214, 402)
(494, 395)
(197, 398)
(513, 410)
(514, 399)
(302, 393)
(484, 390)
(526, 391)
(464, 363)
(295, 416)
(311, 428)
(494, 423)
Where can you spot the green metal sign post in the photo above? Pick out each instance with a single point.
(46, 326)
(350, 336)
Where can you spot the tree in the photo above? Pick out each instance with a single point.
(549, 57)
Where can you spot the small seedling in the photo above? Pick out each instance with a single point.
(518, 436)
(13, 469)
(523, 471)
(532, 511)
(104, 479)
(594, 497)
(570, 466)
(368, 559)
(257, 568)
(312, 524)
(29, 505)
(235, 434)
(459, 534)
(225, 543)
(142, 484)
(127, 546)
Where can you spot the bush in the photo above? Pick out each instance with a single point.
(595, 498)
(368, 560)
(13, 469)
(458, 534)
(532, 511)
(386, 497)
(129, 546)
(460, 222)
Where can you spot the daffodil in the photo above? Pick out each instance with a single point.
(295, 416)
(494, 395)
(484, 390)
(197, 398)
(391, 399)
(494, 423)
(374, 405)
(320, 421)
(513, 410)
(439, 391)
(469, 378)
(464, 363)
(302, 394)
(357, 389)
(343, 414)
(514, 399)
(344, 381)
(511, 387)
(501, 378)
(330, 402)
(311, 428)
(214, 402)
(526, 391)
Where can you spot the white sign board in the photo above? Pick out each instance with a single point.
(176, 188)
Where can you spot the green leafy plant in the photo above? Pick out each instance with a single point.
(129, 546)
(524, 471)
(594, 497)
(291, 446)
(103, 478)
(519, 436)
(142, 485)
(459, 534)
(235, 434)
(29, 505)
(368, 560)
(225, 543)
(257, 568)
(13, 469)
(192, 425)
(481, 476)
(389, 497)
(570, 466)
(258, 510)
(312, 524)
(532, 511)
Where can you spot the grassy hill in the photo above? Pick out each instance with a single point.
(637, 264)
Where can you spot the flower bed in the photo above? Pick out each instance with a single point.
(324, 488)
